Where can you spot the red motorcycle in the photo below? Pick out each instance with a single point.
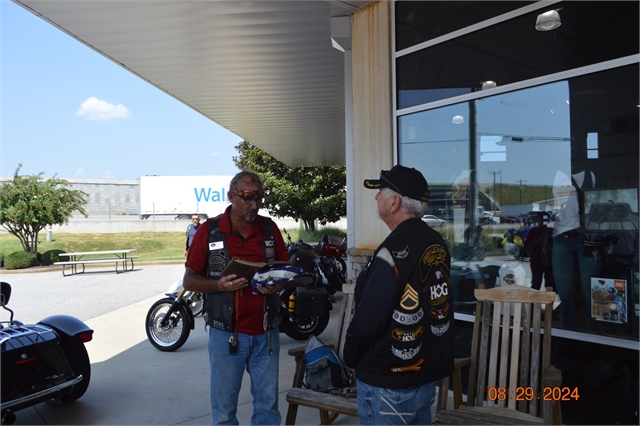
(335, 247)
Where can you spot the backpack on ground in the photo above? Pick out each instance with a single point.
(324, 370)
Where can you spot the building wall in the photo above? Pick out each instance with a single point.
(104, 196)
(114, 196)
(372, 115)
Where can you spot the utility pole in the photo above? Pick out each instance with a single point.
(501, 201)
(494, 173)
(521, 188)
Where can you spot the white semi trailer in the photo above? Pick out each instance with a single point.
(179, 197)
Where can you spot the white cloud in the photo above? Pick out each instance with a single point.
(216, 154)
(79, 172)
(96, 109)
(107, 174)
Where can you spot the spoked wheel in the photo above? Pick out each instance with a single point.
(304, 327)
(342, 266)
(78, 359)
(174, 333)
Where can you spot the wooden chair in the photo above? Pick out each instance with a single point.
(509, 367)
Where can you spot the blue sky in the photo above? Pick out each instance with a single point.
(68, 110)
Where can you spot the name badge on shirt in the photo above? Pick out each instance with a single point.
(217, 245)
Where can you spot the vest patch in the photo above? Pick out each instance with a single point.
(413, 367)
(439, 330)
(439, 314)
(432, 257)
(439, 293)
(401, 254)
(217, 262)
(407, 336)
(409, 300)
(406, 353)
(407, 319)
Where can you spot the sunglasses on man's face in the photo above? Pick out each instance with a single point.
(249, 197)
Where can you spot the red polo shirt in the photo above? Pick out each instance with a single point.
(248, 315)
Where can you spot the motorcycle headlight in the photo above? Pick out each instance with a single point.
(509, 248)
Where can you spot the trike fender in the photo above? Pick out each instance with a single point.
(66, 326)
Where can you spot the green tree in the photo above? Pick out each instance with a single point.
(305, 194)
(30, 203)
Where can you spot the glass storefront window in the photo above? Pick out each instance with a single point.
(417, 21)
(511, 51)
(568, 148)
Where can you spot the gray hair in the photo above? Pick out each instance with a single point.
(238, 177)
(415, 208)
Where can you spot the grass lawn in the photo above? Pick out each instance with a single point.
(150, 245)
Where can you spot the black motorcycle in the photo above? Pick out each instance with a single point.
(41, 362)
(305, 307)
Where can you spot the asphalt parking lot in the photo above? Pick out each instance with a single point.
(132, 383)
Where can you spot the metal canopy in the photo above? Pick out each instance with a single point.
(265, 70)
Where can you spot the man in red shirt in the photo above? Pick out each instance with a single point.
(243, 331)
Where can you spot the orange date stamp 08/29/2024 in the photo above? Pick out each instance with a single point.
(528, 394)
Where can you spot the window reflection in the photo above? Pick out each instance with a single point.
(568, 148)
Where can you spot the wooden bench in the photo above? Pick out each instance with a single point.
(330, 406)
(510, 353)
(119, 256)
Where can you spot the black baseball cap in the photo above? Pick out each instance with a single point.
(403, 180)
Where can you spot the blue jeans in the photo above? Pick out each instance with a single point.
(380, 406)
(568, 261)
(227, 371)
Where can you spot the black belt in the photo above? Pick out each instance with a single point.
(570, 233)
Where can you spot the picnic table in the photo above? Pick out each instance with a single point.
(105, 256)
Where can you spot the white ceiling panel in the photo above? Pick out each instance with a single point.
(265, 70)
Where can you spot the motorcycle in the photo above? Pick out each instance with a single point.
(305, 307)
(170, 320)
(513, 242)
(472, 249)
(335, 247)
(42, 362)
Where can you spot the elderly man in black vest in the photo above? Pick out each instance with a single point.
(400, 340)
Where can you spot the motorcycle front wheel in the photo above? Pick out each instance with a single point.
(174, 334)
(303, 327)
(78, 359)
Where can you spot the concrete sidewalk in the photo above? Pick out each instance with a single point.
(133, 383)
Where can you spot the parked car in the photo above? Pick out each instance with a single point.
(508, 219)
(433, 221)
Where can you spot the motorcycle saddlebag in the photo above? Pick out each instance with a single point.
(31, 361)
(311, 302)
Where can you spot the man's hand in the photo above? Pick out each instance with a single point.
(231, 283)
(271, 289)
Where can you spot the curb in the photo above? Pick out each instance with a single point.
(37, 269)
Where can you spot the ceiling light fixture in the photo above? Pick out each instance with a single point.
(548, 21)
(489, 84)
